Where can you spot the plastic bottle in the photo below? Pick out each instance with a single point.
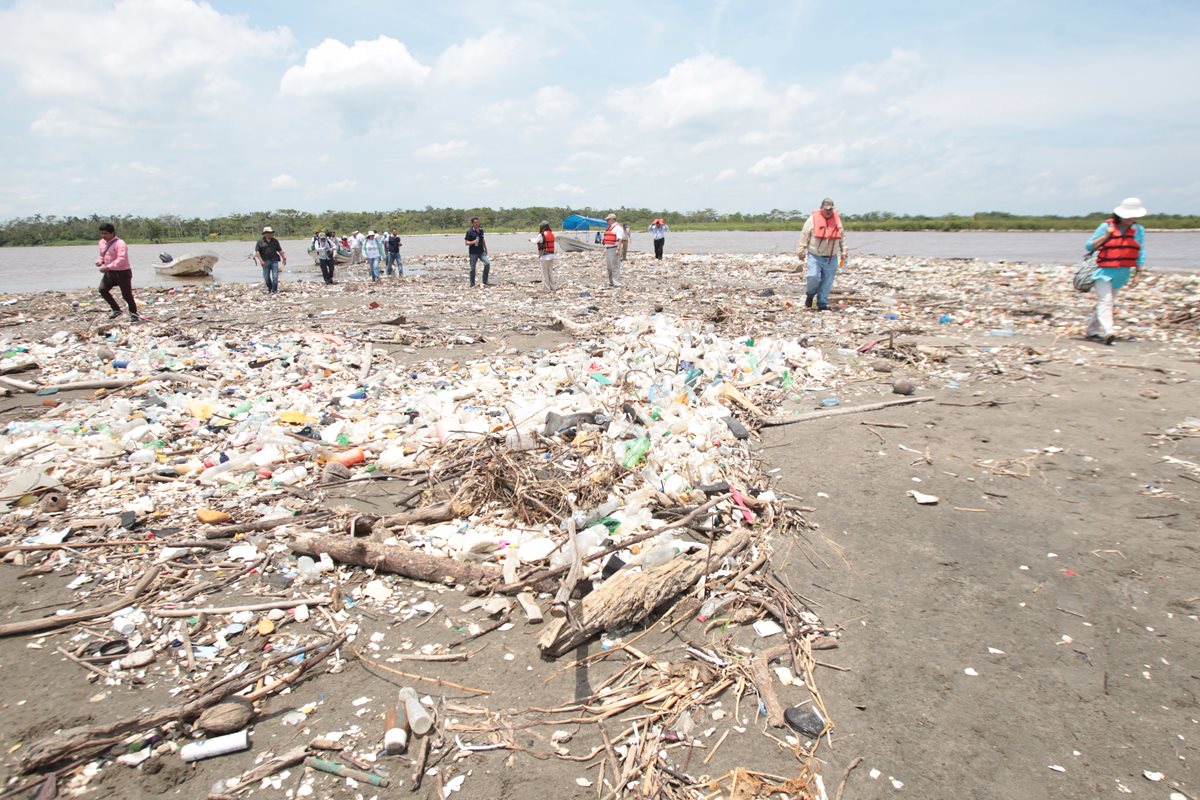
(395, 729)
(290, 477)
(712, 605)
(419, 718)
(829, 402)
(217, 746)
(659, 555)
(635, 452)
(350, 457)
(309, 573)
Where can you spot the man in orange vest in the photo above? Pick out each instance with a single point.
(822, 249)
(612, 249)
(546, 255)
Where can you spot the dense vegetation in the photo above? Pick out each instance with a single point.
(290, 223)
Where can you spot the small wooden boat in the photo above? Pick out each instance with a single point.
(189, 265)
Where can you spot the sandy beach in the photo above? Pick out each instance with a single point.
(1030, 632)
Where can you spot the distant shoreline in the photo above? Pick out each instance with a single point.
(532, 232)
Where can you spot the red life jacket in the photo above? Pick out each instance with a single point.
(547, 243)
(827, 228)
(1121, 250)
(610, 236)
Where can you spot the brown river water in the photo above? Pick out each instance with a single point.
(32, 269)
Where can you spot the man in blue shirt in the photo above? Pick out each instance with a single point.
(477, 251)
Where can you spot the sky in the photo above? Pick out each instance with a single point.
(154, 107)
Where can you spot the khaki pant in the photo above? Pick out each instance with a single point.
(612, 261)
(548, 272)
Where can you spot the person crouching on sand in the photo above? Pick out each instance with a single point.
(1118, 244)
(114, 265)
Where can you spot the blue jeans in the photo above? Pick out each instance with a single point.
(821, 270)
(394, 258)
(271, 276)
(487, 266)
(373, 265)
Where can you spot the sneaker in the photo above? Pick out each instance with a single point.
(824, 308)
(808, 300)
(134, 318)
(114, 314)
(1108, 340)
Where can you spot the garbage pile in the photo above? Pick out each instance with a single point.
(596, 487)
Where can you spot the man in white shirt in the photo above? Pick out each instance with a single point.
(613, 236)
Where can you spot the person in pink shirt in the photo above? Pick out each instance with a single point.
(114, 264)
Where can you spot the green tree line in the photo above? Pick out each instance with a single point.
(290, 223)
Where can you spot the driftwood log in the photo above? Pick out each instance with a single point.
(400, 560)
(227, 531)
(629, 597)
(768, 422)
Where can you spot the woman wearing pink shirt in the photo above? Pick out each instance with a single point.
(114, 263)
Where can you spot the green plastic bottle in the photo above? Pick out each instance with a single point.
(635, 452)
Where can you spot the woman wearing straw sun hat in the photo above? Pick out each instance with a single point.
(1118, 243)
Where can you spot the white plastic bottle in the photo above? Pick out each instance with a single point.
(419, 718)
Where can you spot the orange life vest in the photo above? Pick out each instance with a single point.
(1121, 250)
(547, 243)
(610, 237)
(827, 228)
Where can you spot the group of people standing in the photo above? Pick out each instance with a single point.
(1118, 244)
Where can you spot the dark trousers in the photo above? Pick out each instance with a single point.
(118, 278)
(326, 269)
(487, 266)
(658, 248)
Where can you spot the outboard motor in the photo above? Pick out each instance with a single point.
(166, 258)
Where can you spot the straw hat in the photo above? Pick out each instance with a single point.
(611, 216)
(1130, 208)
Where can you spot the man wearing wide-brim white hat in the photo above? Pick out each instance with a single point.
(1119, 245)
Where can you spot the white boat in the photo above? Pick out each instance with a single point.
(570, 245)
(189, 265)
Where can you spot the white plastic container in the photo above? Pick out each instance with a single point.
(419, 718)
(217, 746)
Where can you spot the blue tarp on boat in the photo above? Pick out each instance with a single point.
(578, 222)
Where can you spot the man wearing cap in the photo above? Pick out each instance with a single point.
(1118, 245)
(822, 249)
(658, 229)
(269, 254)
(613, 236)
(477, 251)
(326, 247)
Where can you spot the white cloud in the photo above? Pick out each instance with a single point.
(340, 186)
(131, 54)
(484, 59)
(284, 181)
(567, 188)
(898, 68)
(441, 149)
(697, 178)
(807, 156)
(701, 88)
(333, 69)
(144, 169)
(593, 130)
(726, 174)
(58, 124)
(550, 101)
(631, 162)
